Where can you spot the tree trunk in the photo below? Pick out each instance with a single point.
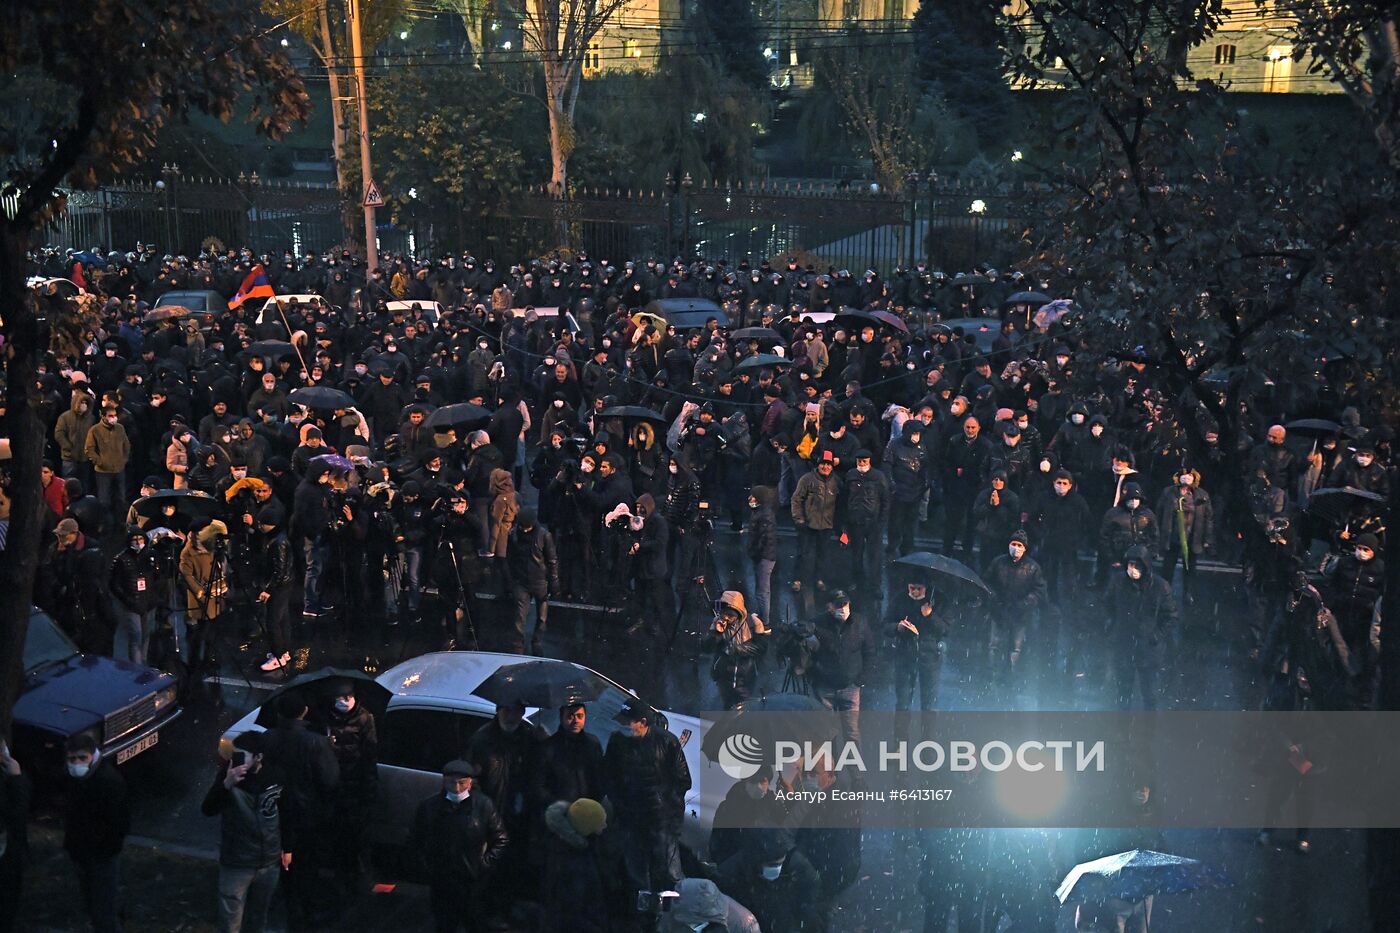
(560, 146)
(349, 218)
(20, 559)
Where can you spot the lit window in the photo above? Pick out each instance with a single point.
(1224, 54)
(630, 49)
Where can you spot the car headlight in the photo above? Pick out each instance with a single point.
(165, 698)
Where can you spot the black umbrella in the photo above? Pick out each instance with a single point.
(1314, 427)
(762, 361)
(758, 723)
(276, 349)
(854, 318)
(315, 687)
(321, 398)
(1335, 503)
(463, 415)
(635, 412)
(1026, 298)
(970, 278)
(944, 566)
(758, 333)
(1137, 873)
(547, 684)
(890, 319)
(190, 506)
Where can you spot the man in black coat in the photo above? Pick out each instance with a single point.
(1018, 591)
(568, 764)
(865, 507)
(651, 564)
(501, 753)
(1065, 520)
(965, 459)
(647, 779)
(532, 570)
(458, 838)
(843, 656)
(312, 777)
(96, 819)
(1141, 614)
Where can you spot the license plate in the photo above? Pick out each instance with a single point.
(132, 751)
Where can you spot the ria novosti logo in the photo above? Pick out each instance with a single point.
(741, 756)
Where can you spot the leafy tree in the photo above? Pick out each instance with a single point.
(730, 36)
(959, 56)
(325, 27)
(870, 75)
(1357, 44)
(446, 135)
(85, 98)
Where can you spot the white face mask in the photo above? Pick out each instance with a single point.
(863, 468)
(1363, 555)
(559, 403)
(345, 704)
(1134, 503)
(842, 614)
(1076, 418)
(456, 797)
(771, 872)
(1015, 550)
(1134, 572)
(674, 469)
(1061, 489)
(82, 771)
(586, 467)
(239, 474)
(1187, 479)
(1363, 461)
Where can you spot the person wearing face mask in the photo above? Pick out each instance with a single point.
(1362, 471)
(1129, 524)
(1071, 444)
(748, 805)
(108, 449)
(996, 514)
(96, 820)
(1187, 529)
(843, 656)
(1140, 619)
(1018, 593)
(647, 778)
(1354, 584)
(458, 838)
(910, 472)
(814, 513)
(70, 432)
(132, 582)
(773, 879)
(1064, 517)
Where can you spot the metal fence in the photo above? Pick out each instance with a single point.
(952, 226)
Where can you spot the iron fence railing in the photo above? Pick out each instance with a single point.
(952, 226)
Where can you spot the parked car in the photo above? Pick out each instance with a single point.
(195, 300)
(268, 312)
(123, 706)
(686, 313)
(427, 713)
(431, 309)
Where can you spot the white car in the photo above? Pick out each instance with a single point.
(277, 301)
(429, 713)
(431, 309)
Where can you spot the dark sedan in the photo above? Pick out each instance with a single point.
(121, 705)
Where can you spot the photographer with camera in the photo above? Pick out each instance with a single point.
(739, 639)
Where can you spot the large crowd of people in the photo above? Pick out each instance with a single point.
(534, 432)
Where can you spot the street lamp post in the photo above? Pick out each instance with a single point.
(686, 182)
(911, 181)
(977, 209)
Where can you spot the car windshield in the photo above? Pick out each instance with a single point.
(44, 643)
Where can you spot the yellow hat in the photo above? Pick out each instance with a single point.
(587, 816)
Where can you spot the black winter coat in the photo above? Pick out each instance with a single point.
(575, 890)
(845, 652)
(647, 778)
(502, 761)
(457, 843)
(250, 832)
(1066, 521)
(1123, 528)
(531, 560)
(310, 773)
(867, 497)
(1017, 585)
(761, 542)
(96, 815)
(1141, 613)
(132, 580)
(567, 766)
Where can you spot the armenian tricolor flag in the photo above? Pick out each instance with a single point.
(255, 285)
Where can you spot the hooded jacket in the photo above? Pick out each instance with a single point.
(1142, 613)
(504, 507)
(250, 833)
(762, 528)
(652, 562)
(575, 891)
(71, 429)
